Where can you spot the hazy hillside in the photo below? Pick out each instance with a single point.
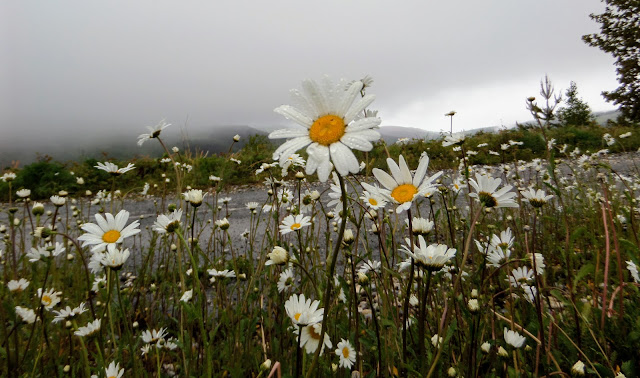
(216, 139)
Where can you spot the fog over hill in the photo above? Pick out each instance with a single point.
(104, 145)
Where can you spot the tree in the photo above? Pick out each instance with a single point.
(577, 112)
(620, 36)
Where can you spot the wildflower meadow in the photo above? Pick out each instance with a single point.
(468, 256)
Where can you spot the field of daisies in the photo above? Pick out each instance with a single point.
(524, 268)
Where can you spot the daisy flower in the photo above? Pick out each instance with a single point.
(68, 313)
(214, 273)
(168, 223)
(8, 177)
(633, 270)
(186, 297)
(294, 160)
(49, 298)
(346, 353)
(154, 336)
(114, 258)
(372, 197)
(487, 193)
(537, 198)
(26, 314)
(23, 193)
(291, 223)
(114, 371)
(333, 126)
(454, 139)
(278, 256)
(310, 338)
(108, 231)
(432, 257)
(58, 201)
(49, 250)
(154, 132)
(286, 280)
(19, 285)
(90, 329)
(303, 311)
(113, 169)
(513, 338)
(520, 276)
(420, 226)
(194, 197)
(401, 188)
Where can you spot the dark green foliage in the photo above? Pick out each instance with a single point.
(45, 178)
(577, 112)
(620, 36)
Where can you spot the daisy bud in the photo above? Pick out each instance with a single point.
(236, 138)
(37, 209)
(68, 324)
(578, 368)
(502, 352)
(266, 365)
(66, 368)
(135, 324)
(348, 237)
(474, 293)
(70, 256)
(88, 193)
(299, 175)
(473, 305)
(485, 347)
(362, 278)
(452, 372)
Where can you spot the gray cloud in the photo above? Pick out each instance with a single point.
(95, 67)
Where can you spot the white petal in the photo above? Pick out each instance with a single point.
(288, 133)
(289, 112)
(356, 142)
(344, 160)
(421, 171)
(385, 179)
(358, 107)
(363, 124)
(405, 173)
(347, 98)
(315, 95)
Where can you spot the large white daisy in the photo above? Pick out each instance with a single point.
(108, 231)
(334, 124)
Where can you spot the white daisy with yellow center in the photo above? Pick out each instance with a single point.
(303, 311)
(346, 353)
(114, 371)
(49, 298)
(293, 223)
(431, 257)
(334, 123)
(108, 230)
(401, 187)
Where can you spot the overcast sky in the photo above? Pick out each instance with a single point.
(87, 66)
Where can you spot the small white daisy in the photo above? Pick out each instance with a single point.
(108, 231)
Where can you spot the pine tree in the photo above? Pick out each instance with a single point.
(577, 112)
(620, 36)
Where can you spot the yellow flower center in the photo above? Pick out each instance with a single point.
(296, 226)
(111, 376)
(297, 316)
(46, 300)
(373, 202)
(327, 130)
(345, 352)
(111, 236)
(404, 193)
